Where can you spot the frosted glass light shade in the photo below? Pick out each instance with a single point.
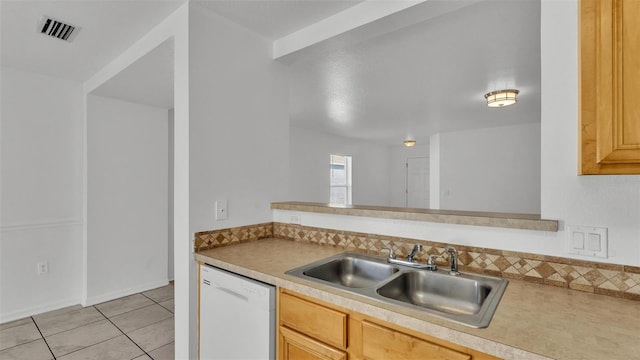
(409, 143)
(501, 98)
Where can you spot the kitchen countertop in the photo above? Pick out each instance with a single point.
(532, 321)
(477, 218)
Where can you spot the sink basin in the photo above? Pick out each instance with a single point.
(350, 270)
(438, 291)
(468, 299)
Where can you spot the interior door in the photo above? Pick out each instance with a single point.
(417, 182)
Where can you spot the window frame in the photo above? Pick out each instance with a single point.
(348, 182)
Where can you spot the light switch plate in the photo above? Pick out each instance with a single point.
(587, 241)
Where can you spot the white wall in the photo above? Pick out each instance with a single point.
(398, 171)
(309, 167)
(127, 198)
(175, 28)
(170, 175)
(238, 135)
(41, 217)
(239, 123)
(479, 174)
(434, 172)
(493, 169)
(607, 201)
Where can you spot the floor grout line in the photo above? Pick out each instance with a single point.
(169, 310)
(43, 338)
(123, 333)
(24, 343)
(130, 311)
(104, 317)
(157, 302)
(73, 328)
(86, 347)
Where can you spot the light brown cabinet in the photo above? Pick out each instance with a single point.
(380, 343)
(308, 330)
(320, 322)
(296, 346)
(311, 329)
(609, 86)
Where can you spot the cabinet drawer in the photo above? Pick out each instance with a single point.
(379, 342)
(295, 346)
(319, 322)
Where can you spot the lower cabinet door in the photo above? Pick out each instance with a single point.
(296, 346)
(381, 343)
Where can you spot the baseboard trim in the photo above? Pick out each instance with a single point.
(21, 314)
(126, 292)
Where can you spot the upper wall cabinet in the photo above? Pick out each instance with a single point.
(609, 86)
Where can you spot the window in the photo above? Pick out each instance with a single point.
(340, 180)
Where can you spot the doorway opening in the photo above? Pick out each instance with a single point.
(130, 180)
(417, 184)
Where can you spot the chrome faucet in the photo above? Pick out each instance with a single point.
(431, 262)
(414, 252)
(392, 255)
(410, 258)
(453, 259)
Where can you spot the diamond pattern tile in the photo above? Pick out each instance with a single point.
(569, 273)
(545, 270)
(501, 263)
(206, 240)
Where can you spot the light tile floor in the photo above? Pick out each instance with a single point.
(135, 327)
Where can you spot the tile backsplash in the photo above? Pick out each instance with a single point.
(222, 237)
(600, 278)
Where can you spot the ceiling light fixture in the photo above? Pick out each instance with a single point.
(409, 143)
(501, 98)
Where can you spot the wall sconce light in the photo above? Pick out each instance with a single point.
(409, 143)
(501, 98)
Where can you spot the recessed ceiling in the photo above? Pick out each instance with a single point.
(427, 78)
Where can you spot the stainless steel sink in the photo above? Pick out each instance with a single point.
(350, 270)
(467, 299)
(462, 295)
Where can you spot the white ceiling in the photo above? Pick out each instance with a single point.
(147, 81)
(275, 19)
(410, 83)
(426, 78)
(108, 28)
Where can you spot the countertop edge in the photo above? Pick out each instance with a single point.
(501, 220)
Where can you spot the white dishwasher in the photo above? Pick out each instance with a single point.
(237, 316)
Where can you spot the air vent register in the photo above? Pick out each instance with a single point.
(57, 29)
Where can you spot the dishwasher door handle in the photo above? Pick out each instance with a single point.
(232, 293)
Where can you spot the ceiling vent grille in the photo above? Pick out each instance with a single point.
(57, 29)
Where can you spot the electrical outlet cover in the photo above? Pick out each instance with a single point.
(43, 268)
(294, 219)
(221, 210)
